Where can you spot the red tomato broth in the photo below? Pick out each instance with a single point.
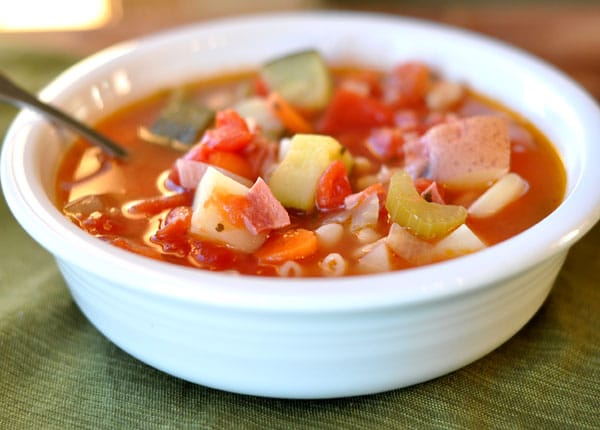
(142, 176)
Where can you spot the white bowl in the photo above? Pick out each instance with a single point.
(308, 338)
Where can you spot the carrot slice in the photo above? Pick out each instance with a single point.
(293, 244)
(290, 118)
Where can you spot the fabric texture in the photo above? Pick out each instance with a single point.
(58, 372)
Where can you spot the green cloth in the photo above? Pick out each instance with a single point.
(58, 372)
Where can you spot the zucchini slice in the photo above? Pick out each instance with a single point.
(301, 78)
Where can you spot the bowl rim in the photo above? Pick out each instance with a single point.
(539, 242)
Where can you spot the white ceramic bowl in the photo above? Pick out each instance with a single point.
(308, 338)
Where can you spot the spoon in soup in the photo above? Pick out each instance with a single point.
(16, 95)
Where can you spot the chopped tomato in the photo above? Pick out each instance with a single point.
(231, 132)
(155, 205)
(385, 142)
(333, 187)
(232, 162)
(173, 233)
(407, 85)
(211, 256)
(260, 87)
(351, 111)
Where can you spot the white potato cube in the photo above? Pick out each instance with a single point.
(210, 221)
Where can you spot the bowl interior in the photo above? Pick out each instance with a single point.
(120, 75)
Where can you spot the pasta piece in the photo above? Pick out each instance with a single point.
(334, 265)
(330, 234)
(505, 191)
(290, 269)
(367, 235)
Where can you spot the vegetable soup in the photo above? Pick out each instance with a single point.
(300, 169)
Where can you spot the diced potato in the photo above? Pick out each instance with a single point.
(506, 190)
(257, 109)
(210, 221)
(294, 181)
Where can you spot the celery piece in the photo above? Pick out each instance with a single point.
(294, 181)
(427, 220)
(302, 79)
(180, 123)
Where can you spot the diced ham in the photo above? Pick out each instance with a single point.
(468, 153)
(264, 212)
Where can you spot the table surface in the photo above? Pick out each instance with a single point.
(57, 371)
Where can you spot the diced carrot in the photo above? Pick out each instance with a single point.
(155, 205)
(232, 162)
(293, 244)
(333, 187)
(290, 118)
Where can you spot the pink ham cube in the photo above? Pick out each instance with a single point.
(468, 153)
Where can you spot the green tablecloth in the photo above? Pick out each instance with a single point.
(57, 371)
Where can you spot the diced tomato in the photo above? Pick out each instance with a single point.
(333, 187)
(385, 142)
(232, 162)
(260, 87)
(176, 224)
(99, 223)
(351, 111)
(137, 248)
(198, 152)
(172, 235)
(155, 205)
(211, 256)
(231, 132)
(407, 85)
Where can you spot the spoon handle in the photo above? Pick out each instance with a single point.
(12, 93)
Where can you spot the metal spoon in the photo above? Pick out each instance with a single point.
(16, 95)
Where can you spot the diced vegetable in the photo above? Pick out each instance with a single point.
(376, 259)
(257, 109)
(179, 124)
(190, 173)
(293, 244)
(291, 119)
(460, 241)
(231, 132)
(214, 217)
(424, 219)
(407, 246)
(302, 79)
(351, 111)
(443, 95)
(155, 205)
(294, 181)
(333, 187)
(505, 191)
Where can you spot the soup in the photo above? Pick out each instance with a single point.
(299, 169)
